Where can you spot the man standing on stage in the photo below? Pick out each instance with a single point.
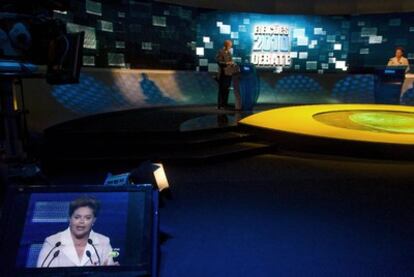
(225, 62)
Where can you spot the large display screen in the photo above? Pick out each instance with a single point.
(276, 42)
(73, 229)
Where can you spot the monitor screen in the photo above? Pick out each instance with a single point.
(65, 59)
(47, 229)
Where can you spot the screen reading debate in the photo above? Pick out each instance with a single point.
(278, 43)
(271, 46)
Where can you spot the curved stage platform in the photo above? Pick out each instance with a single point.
(202, 133)
(165, 134)
(385, 131)
(367, 123)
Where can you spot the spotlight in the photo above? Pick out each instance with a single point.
(146, 173)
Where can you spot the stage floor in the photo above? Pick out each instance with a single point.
(275, 215)
(159, 119)
(198, 132)
(190, 133)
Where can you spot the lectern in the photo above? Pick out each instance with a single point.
(389, 81)
(246, 86)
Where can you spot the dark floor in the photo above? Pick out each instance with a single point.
(274, 215)
(279, 214)
(139, 120)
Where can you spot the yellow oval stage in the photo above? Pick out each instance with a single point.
(390, 124)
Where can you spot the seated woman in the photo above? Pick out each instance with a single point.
(78, 245)
(399, 59)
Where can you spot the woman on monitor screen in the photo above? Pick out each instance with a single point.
(399, 59)
(78, 245)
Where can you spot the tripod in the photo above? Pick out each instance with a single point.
(12, 134)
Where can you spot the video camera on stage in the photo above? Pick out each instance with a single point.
(30, 36)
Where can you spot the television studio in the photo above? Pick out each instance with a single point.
(180, 138)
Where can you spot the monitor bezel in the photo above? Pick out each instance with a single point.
(11, 231)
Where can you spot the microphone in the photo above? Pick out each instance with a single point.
(96, 251)
(88, 254)
(54, 257)
(50, 252)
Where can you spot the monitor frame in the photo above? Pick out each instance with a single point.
(11, 231)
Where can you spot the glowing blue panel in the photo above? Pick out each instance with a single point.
(210, 45)
(146, 45)
(93, 7)
(116, 59)
(331, 38)
(234, 35)
(395, 22)
(213, 67)
(311, 65)
(366, 32)
(160, 21)
(200, 51)
(105, 26)
(120, 44)
(303, 41)
(225, 29)
(319, 31)
(88, 60)
(90, 34)
(203, 62)
(375, 40)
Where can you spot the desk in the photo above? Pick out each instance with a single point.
(408, 84)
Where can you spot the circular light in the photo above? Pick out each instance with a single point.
(379, 121)
(385, 121)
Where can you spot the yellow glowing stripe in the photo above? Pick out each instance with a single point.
(299, 120)
(15, 104)
(15, 107)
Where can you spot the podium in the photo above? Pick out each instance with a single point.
(246, 85)
(389, 81)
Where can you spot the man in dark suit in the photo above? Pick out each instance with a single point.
(225, 62)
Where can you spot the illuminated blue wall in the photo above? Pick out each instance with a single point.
(373, 38)
(324, 41)
(146, 34)
(107, 91)
(318, 44)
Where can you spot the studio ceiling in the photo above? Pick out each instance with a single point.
(326, 7)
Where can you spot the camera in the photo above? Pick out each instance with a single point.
(29, 34)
